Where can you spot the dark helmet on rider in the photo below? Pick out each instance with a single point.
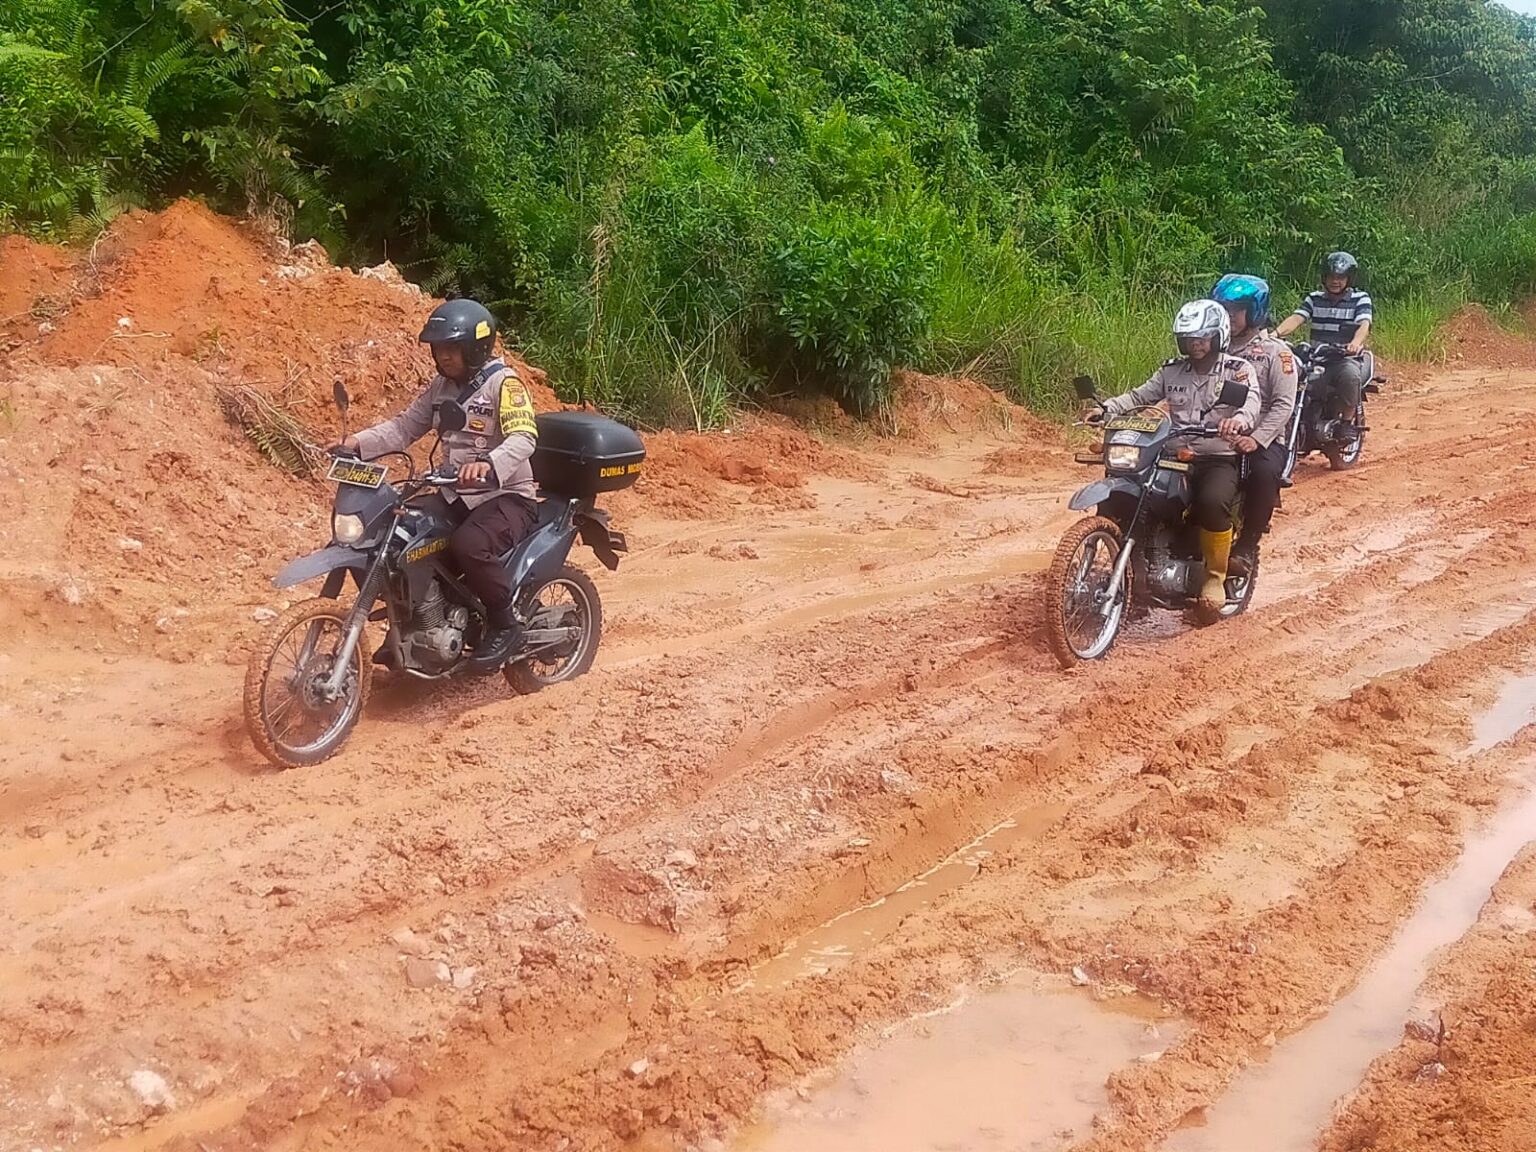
(1341, 264)
(1250, 292)
(1202, 320)
(466, 323)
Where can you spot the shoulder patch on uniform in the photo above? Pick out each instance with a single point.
(516, 408)
(1172, 360)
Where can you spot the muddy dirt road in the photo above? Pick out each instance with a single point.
(634, 912)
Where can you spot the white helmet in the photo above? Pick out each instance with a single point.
(1201, 319)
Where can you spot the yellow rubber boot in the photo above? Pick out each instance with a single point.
(1217, 550)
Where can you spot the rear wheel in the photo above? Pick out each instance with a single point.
(292, 717)
(1082, 620)
(565, 624)
(1240, 591)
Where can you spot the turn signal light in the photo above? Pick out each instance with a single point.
(1185, 454)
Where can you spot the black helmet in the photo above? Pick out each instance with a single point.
(466, 323)
(1341, 264)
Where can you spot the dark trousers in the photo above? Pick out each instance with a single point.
(1261, 492)
(1214, 481)
(1341, 383)
(480, 540)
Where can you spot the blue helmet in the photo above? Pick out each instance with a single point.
(1234, 288)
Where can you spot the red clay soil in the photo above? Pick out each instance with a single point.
(32, 277)
(1473, 336)
(498, 921)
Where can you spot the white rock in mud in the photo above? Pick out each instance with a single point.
(264, 615)
(682, 858)
(640, 1067)
(410, 943)
(420, 973)
(125, 322)
(129, 544)
(1080, 978)
(464, 978)
(152, 1090)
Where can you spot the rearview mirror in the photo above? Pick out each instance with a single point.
(1233, 395)
(339, 395)
(450, 416)
(1085, 388)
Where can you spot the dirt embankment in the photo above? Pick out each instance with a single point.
(547, 922)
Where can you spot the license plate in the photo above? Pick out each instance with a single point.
(357, 472)
(1134, 424)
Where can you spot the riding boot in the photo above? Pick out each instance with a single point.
(501, 633)
(1216, 547)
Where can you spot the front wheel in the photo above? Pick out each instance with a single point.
(1342, 457)
(1082, 619)
(565, 624)
(292, 716)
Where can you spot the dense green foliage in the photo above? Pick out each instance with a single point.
(680, 202)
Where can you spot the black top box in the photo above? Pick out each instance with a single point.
(582, 454)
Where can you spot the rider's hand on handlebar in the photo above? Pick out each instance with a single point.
(1095, 416)
(1231, 428)
(344, 445)
(475, 474)
(1356, 346)
(1246, 444)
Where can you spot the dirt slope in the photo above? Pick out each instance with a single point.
(823, 675)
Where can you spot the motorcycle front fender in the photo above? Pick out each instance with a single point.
(1094, 494)
(331, 559)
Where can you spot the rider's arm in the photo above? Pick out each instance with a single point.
(1139, 397)
(1362, 333)
(1302, 315)
(1248, 414)
(400, 433)
(517, 426)
(1282, 399)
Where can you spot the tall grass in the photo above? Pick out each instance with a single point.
(1412, 329)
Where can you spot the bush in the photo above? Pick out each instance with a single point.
(853, 296)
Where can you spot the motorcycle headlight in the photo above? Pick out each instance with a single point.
(1122, 456)
(346, 528)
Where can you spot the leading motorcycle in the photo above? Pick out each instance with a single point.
(307, 683)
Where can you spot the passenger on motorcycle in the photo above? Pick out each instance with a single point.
(494, 446)
(1339, 315)
(1191, 384)
(1246, 299)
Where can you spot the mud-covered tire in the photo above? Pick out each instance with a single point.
(259, 668)
(1343, 457)
(1057, 587)
(524, 676)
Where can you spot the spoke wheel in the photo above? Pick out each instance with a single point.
(292, 718)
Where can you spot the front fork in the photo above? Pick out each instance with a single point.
(357, 619)
(1117, 578)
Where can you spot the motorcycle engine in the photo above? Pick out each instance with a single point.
(435, 641)
(1168, 576)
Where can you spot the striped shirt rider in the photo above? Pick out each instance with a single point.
(1335, 319)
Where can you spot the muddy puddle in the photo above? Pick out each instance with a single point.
(839, 940)
(1284, 1104)
(1019, 1068)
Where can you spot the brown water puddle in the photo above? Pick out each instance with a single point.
(841, 939)
(1283, 1104)
(1021, 1068)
